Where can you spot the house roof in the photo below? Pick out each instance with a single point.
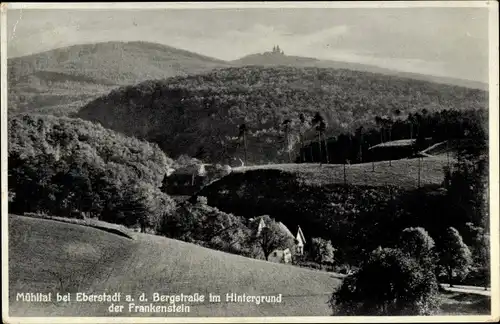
(301, 235)
(285, 229)
(397, 143)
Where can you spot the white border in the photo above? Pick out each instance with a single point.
(249, 5)
(493, 137)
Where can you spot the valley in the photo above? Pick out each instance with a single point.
(312, 164)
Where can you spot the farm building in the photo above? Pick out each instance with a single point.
(300, 240)
(280, 256)
(395, 150)
(283, 254)
(189, 179)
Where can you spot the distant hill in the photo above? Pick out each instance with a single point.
(198, 115)
(276, 58)
(62, 80)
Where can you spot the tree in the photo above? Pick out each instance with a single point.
(243, 134)
(302, 119)
(319, 123)
(286, 124)
(388, 123)
(388, 283)
(379, 121)
(321, 130)
(454, 256)
(416, 242)
(411, 121)
(480, 249)
(180, 224)
(322, 250)
(360, 137)
(272, 237)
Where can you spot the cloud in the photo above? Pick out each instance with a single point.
(426, 40)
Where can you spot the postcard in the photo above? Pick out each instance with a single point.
(250, 162)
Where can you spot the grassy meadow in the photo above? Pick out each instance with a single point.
(85, 259)
(75, 258)
(401, 173)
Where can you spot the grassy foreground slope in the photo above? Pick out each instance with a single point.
(51, 256)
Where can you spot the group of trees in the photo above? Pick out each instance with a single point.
(198, 115)
(197, 222)
(322, 251)
(424, 128)
(461, 253)
(359, 218)
(403, 280)
(66, 167)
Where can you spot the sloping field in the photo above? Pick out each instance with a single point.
(50, 256)
(403, 142)
(452, 147)
(400, 173)
(117, 229)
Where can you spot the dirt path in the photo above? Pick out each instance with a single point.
(467, 289)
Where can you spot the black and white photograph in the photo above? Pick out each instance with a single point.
(264, 161)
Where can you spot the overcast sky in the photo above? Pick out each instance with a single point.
(440, 41)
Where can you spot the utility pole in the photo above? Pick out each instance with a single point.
(319, 143)
(419, 167)
(345, 175)
(447, 148)
(245, 143)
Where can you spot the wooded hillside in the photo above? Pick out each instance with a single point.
(200, 115)
(62, 166)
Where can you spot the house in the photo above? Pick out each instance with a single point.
(189, 179)
(283, 254)
(170, 171)
(280, 256)
(300, 240)
(261, 226)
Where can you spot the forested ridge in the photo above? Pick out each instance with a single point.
(61, 166)
(199, 115)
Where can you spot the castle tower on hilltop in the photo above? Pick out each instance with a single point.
(277, 50)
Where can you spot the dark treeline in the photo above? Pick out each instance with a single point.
(421, 128)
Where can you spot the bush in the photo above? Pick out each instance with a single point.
(480, 248)
(322, 250)
(199, 223)
(388, 283)
(416, 242)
